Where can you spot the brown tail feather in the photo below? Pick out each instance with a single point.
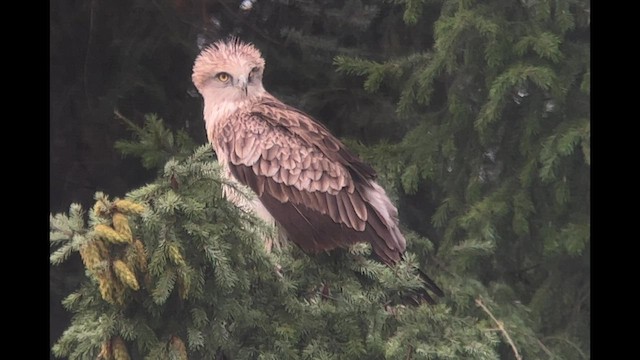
(430, 285)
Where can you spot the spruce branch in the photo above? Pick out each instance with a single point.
(500, 325)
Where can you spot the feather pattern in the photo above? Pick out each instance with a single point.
(305, 168)
(319, 193)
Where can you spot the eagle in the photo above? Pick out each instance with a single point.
(318, 193)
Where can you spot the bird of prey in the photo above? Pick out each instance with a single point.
(306, 181)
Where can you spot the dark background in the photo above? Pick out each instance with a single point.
(135, 57)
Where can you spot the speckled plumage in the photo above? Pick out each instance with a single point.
(319, 193)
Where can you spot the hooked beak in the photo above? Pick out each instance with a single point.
(241, 83)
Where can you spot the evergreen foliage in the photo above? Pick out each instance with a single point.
(174, 269)
(476, 117)
(507, 159)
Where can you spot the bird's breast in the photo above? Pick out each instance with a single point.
(251, 205)
(217, 115)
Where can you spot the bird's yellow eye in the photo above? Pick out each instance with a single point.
(224, 77)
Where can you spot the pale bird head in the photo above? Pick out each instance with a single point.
(229, 71)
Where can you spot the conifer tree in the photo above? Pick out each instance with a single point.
(174, 271)
(505, 158)
(489, 147)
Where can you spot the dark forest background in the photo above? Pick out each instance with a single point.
(476, 115)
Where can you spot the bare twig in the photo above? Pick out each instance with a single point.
(128, 122)
(575, 346)
(500, 326)
(544, 348)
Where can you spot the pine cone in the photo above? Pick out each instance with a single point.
(183, 290)
(105, 351)
(141, 255)
(119, 349)
(121, 225)
(90, 254)
(106, 286)
(112, 291)
(107, 233)
(118, 293)
(175, 255)
(100, 209)
(103, 249)
(128, 207)
(125, 274)
(177, 348)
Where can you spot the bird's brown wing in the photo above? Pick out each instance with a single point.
(318, 191)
